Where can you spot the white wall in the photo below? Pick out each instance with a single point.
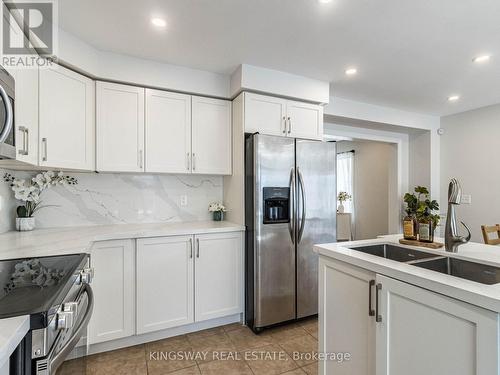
(7, 204)
(470, 151)
(374, 182)
(119, 199)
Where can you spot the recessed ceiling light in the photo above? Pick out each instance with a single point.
(453, 98)
(324, 1)
(158, 22)
(481, 59)
(351, 71)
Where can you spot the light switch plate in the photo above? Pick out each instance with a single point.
(184, 200)
(466, 199)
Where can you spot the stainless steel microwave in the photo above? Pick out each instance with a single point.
(7, 128)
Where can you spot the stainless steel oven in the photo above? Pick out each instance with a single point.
(7, 129)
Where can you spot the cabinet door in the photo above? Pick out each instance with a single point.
(211, 136)
(346, 319)
(114, 291)
(120, 128)
(26, 114)
(168, 132)
(265, 114)
(304, 120)
(164, 283)
(423, 332)
(66, 110)
(218, 288)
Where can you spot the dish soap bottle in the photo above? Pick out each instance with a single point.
(426, 228)
(410, 226)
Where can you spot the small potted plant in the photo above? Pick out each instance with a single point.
(343, 197)
(217, 210)
(422, 207)
(29, 191)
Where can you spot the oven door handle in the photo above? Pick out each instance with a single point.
(7, 125)
(57, 360)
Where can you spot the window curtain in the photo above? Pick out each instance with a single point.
(345, 177)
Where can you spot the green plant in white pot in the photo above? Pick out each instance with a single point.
(217, 210)
(343, 197)
(29, 192)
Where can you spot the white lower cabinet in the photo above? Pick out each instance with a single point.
(114, 291)
(390, 327)
(164, 283)
(423, 332)
(218, 285)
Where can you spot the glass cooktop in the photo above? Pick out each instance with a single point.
(34, 285)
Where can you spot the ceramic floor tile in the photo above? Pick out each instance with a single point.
(212, 347)
(170, 344)
(117, 366)
(133, 352)
(206, 332)
(297, 371)
(284, 333)
(225, 367)
(187, 371)
(233, 326)
(311, 369)
(269, 360)
(170, 361)
(302, 349)
(244, 339)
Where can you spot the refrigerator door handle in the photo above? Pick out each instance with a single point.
(303, 198)
(291, 222)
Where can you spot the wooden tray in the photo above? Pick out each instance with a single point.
(430, 245)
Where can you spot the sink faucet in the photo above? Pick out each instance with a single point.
(451, 238)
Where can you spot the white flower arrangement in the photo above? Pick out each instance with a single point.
(344, 196)
(216, 207)
(29, 190)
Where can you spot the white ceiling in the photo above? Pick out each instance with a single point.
(410, 54)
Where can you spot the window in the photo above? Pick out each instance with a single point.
(345, 177)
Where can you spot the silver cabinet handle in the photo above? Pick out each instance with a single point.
(194, 161)
(24, 150)
(284, 123)
(27, 131)
(45, 146)
(191, 248)
(197, 248)
(378, 317)
(289, 125)
(371, 284)
(187, 161)
(141, 157)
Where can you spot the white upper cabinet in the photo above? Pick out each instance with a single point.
(120, 128)
(26, 114)
(168, 132)
(211, 136)
(218, 277)
(304, 120)
(66, 119)
(265, 114)
(275, 116)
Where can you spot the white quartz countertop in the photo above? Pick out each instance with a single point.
(68, 240)
(12, 331)
(486, 296)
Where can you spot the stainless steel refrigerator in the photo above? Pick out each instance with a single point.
(290, 205)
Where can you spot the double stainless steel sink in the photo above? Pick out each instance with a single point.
(464, 269)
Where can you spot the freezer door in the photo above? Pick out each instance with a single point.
(274, 252)
(316, 216)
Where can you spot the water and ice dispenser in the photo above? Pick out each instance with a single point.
(276, 205)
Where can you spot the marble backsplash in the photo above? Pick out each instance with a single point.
(119, 199)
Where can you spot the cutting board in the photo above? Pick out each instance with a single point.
(430, 245)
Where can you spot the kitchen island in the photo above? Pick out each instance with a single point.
(399, 312)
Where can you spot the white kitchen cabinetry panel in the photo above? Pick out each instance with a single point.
(423, 332)
(168, 132)
(218, 284)
(265, 114)
(26, 114)
(211, 136)
(164, 283)
(304, 120)
(347, 322)
(66, 122)
(114, 291)
(120, 128)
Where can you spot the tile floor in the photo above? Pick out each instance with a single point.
(232, 349)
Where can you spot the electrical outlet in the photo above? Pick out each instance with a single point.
(184, 200)
(466, 199)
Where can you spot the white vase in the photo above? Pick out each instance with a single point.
(340, 208)
(24, 224)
